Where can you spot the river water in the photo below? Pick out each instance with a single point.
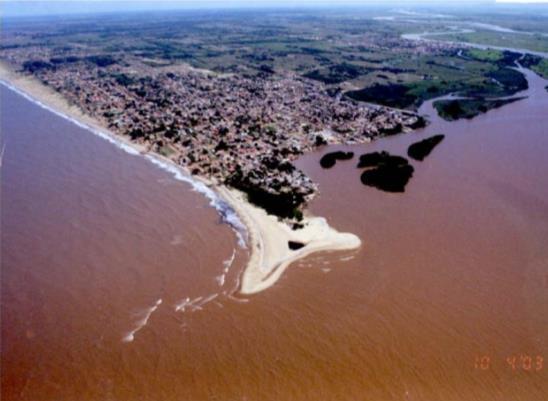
(101, 249)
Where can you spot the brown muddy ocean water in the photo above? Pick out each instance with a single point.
(446, 300)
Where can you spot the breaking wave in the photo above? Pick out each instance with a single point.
(142, 322)
(194, 304)
(228, 215)
(227, 264)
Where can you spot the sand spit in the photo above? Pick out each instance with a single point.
(267, 237)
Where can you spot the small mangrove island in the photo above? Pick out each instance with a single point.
(329, 159)
(420, 150)
(385, 171)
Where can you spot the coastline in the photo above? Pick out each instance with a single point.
(267, 237)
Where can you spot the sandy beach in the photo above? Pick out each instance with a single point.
(267, 236)
(268, 239)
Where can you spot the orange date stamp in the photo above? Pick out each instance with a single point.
(521, 362)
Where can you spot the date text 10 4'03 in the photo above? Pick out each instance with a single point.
(527, 363)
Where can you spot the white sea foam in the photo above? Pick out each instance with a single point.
(176, 240)
(142, 322)
(221, 279)
(188, 303)
(194, 304)
(227, 264)
(227, 214)
(180, 306)
(208, 299)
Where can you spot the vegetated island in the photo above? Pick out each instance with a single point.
(420, 150)
(454, 109)
(385, 171)
(329, 159)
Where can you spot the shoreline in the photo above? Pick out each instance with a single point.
(267, 237)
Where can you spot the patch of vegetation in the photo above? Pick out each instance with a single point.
(276, 201)
(337, 73)
(36, 65)
(391, 95)
(406, 96)
(494, 83)
(123, 79)
(374, 159)
(536, 63)
(388, 178)
(420, 150)
(541, 68)
(484, 54)
(329, 159)
(136, 133)
(64, 60)
(451, 110)
(502, 58)
(509, 59)
(284, 204)
(101, 60)
(386, 172)
(420, 123)
(512, 81)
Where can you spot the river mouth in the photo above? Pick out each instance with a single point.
(459, 262)
(119, 292)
